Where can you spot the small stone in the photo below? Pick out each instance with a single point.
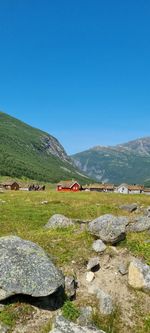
(59, 221)
(129, 208)
(93, 264)
(105, 302)
(70, 286)
(98, 246)
(44, 202)
(90, 276)
(85, 316)
(123, 269)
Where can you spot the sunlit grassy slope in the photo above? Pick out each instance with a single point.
(26, 152)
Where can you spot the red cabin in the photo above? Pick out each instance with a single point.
(68, 186)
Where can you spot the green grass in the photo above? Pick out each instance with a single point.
(138, 245)
(110, 323)
(18, 312)
(47, 327)
(23, 214)
(70, 311)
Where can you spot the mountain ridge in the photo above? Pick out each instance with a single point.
(26, 151)
(127, 162)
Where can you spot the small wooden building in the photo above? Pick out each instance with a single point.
(11, 186)
(146, 190)
(99, 187)
(68, 186)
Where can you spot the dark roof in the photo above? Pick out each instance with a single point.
(67, 183)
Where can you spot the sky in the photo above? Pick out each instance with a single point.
(77, 69)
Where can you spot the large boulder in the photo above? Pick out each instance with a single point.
(63, 325)
(59, 221)
(139, 275)
(140, 223)
(110, 229)
(129, 208)
(26, 269)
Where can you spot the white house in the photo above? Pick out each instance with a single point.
(129, 189)
(123, 188)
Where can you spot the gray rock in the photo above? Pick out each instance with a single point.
(140, 223)
(59, 221)
(4, 328)
(139, 275)
(93, 264)
(26, 269)
(70, 286)
(110, 229)
(85, 316)
(98, 246)
(123, 268)
(63, 325)
(129, 208)
(105, 302)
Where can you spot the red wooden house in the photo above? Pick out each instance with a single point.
(68, 186)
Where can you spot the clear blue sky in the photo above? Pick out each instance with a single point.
(79, 69)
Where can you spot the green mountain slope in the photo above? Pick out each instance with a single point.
(128, 162)
(29, 152)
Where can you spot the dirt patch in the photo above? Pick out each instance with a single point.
(111, 281)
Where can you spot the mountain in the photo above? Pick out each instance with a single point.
(28, 152)
(128, 162)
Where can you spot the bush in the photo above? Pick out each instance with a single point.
(70, 311)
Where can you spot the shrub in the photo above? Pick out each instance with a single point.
(70, 311)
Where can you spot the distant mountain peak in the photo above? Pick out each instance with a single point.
(128, 162)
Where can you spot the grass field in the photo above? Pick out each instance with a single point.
(24, 215)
